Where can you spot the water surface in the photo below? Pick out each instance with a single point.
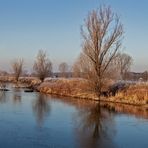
(34, 120)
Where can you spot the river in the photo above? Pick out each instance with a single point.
(34, 120)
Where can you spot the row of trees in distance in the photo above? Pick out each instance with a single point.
(42, 67)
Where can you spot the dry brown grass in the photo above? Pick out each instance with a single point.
(136, 94)
(67, 87)
(7, 79)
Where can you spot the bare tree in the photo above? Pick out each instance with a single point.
(102, 36)
(82, 67)
(124, 62)
(17, 67)
(76, 68)
(42, 65)
(63, 68)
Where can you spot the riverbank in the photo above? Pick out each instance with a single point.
(134, 94)
(78, 88)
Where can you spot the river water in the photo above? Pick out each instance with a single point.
(34, 120)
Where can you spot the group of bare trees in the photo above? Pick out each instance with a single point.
(100, 59)
(42, 66)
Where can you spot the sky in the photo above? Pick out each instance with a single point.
(27, 26)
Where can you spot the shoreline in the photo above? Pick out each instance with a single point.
(66, 88)
(107, 100)
(101, 100)
(78, 88)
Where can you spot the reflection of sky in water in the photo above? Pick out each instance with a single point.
(131, 132)
(35, 120)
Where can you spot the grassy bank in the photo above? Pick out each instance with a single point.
(136, 94)
(78, 88)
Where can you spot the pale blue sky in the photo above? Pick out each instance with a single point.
(54, 25)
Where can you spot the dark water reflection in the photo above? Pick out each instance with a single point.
(3, 97)
(95, 128)
(35, 120)
(17, 95)
(41, 108)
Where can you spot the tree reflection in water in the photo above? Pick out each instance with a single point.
(2, 96)
(17, 96)
(41, 108)
(3, 93)
(95, 128)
